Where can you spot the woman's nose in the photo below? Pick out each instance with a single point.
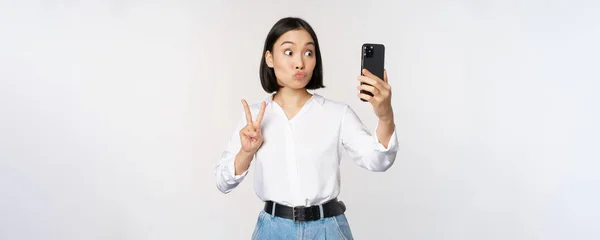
(300, 63)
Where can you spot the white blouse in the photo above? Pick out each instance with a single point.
(298, 162)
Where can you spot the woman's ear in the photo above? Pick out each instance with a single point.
(269, 58)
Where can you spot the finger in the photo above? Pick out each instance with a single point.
(261, 113)
(386, 83)
(368, 88)
(366, 97)
(375, 83)
(380, 85)
(248, 128)
(385, 78)
(244, 134)
(253, 134)
(247, 132)
(364, 79)
(259, 137)
(247, 110)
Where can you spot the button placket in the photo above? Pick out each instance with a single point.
(294, 162)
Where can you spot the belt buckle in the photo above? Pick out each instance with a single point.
(294, 214)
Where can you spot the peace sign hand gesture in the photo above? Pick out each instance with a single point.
(251, 135)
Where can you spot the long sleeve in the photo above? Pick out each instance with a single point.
(364, 147)
(225, 169)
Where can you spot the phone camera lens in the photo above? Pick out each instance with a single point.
(368, 51)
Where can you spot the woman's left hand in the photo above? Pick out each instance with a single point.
(382, 94)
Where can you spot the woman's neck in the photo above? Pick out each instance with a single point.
(286, 97)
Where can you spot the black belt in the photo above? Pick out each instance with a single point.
(328, 209)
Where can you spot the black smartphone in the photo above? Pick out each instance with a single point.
(372, 58)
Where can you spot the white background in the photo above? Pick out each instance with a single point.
(114, 113)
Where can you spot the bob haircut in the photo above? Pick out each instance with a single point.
(268, 79)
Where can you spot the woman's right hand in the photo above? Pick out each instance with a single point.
(251, 135)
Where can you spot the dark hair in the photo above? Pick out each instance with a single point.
(268, 79)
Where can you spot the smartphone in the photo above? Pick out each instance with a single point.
(372, 58)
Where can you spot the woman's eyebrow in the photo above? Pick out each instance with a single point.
(290, 42)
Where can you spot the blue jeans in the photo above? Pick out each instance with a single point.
(269, 227)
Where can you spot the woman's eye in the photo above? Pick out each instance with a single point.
(288, 52)
(308, 53)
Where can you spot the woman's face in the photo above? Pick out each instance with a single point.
(293, 59)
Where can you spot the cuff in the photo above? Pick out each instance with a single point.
(231, 170)
(392, 144)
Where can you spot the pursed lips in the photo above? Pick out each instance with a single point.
(300, 75)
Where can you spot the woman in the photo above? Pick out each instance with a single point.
(296, 139)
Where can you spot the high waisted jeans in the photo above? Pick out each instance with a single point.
(275, 228)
